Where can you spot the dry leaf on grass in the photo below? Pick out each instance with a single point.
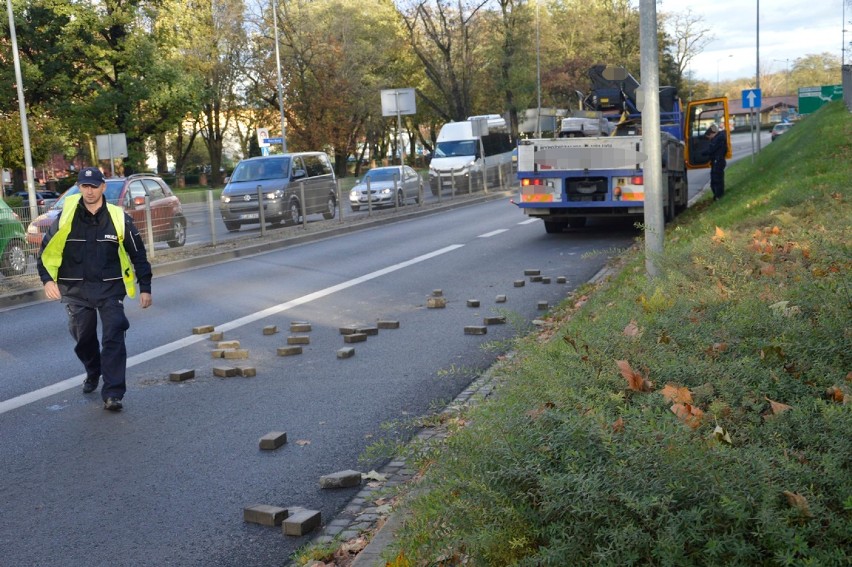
(778, 407)
(618, 426)
(720, 434)
(688, 414)
(835, 394)
(719, 236)
(799, 502)
(632, 329)
(635, 381)
(677, 394)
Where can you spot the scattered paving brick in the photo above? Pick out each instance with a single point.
(200, 330)
(340, 479)
(535, 278)
(500, 299)
(531, 272)
(265, 515)
(300, 327)
(437, 292)
(350, 330)
(299, 340)
(181, 375)
(494, 320)
(273, 440)
(301, 522)
(218, 336)
(217, 353)
(475, 330)
(289, 351)
(542, 305)
(224, 371)
(436, 302)
(369, 331)
(388, 324)
(520, 283)
(561, 279)
(545, 280)
(270, 330)
(346, 352)
(355, 338)
(228, 344)
(235, 353)
(246, 371)
(473, 303)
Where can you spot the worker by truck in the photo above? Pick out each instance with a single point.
(595, 168)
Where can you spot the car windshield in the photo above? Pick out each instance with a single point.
(384, 174)
(456, 148)
(112, 193)
(259, 169)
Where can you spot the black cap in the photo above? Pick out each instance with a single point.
(90, 176)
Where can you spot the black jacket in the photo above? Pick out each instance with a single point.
(718, 148)
(91, 268)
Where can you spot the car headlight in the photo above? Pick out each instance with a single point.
(225, 199)
(386, 191)
(271, 195)
(354, 194)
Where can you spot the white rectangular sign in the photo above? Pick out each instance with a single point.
(401, 100)
(111, 146)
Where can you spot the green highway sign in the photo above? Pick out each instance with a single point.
(811, 98)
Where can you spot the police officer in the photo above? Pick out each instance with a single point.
(717, 151)
(88, 259)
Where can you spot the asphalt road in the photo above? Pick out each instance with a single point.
(165, 481)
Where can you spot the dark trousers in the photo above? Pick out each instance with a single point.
(109, 357)
(717, 178)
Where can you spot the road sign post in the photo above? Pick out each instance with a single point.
(751, 100)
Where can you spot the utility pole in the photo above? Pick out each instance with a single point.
(757, 52)
(280, 84)
(651, 141)
(22, 109)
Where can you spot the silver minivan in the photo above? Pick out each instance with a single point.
(282, 180)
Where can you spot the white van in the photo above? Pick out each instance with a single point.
(457, 160)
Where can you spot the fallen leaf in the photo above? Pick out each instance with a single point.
(664, 338)
(635, 381)
(632, 329)
(767, 270)
(539, 411)
(302, 442)
(721, 435)
(679, 394)
(719, 236)
(688, 414)
(835, 394)
(618, 426)
(799, 502)
(778, 407)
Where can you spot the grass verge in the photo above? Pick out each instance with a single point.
(699, 418)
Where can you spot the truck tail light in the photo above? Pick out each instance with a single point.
(637, 180)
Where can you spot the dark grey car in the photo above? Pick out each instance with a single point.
(282, 180)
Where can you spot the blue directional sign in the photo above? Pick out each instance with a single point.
(751, 98)
(272, 140)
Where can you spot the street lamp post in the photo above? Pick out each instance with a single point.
(280, 84)
(786, 75)
(717, 69)
(22, 109)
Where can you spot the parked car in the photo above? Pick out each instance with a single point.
(282, 180)
(167, 220)
(779, 129)
(384, 183)
(13, 252)
(44, 199)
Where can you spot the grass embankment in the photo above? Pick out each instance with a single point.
(701, 418)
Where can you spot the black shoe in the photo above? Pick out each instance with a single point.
(90, 385)
(113, 404)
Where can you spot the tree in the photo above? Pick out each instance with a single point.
(689, 36)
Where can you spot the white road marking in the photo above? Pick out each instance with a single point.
(528, 221)
(492, 233)
(76, 381)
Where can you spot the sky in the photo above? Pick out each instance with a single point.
(789, 29)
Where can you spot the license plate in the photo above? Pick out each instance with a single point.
(250, 215)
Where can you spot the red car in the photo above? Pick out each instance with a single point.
(167, 218)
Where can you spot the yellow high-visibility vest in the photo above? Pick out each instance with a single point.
(51, 256)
